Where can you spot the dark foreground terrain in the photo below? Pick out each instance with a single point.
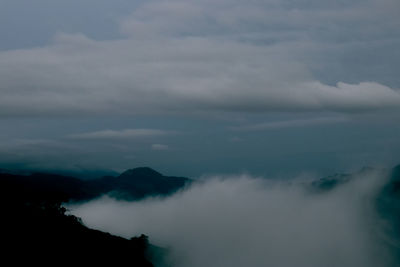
(35, 229)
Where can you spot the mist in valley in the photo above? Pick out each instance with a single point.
(247, 221)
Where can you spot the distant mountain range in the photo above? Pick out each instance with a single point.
(132, 184)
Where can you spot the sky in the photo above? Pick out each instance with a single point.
(194, 87)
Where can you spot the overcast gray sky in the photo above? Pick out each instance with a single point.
(198, 86)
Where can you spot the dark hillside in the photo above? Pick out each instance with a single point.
(36, 230)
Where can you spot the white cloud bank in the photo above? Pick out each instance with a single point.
(251, 222)
(198, 56)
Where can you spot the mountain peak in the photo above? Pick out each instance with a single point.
(141, 172)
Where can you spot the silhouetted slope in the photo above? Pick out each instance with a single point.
(42, 234)
(35, 228)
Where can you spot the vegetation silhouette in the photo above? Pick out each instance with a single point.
(35, 228)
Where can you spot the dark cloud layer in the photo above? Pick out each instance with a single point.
(223, 55)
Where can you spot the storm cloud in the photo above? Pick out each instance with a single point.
(201, 56)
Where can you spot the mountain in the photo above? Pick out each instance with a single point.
(141, 182)
(135, 184)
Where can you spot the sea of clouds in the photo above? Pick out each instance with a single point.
(246, 221)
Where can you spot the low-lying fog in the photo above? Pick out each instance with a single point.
(245, 221)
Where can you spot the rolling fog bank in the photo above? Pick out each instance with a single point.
(245, 221)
